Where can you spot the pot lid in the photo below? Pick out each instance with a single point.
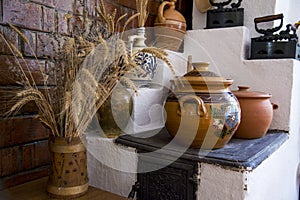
(202, 80)
(244, 92)
(200, 73)
(200, 70)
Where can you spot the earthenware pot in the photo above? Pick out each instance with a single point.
(170, 26)
(257, 113)
(203, 108)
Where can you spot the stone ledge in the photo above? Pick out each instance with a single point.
(238, 153)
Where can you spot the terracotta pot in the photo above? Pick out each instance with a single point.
(257, 113)
(203, 108)
(170, 26)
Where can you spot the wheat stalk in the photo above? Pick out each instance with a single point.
(24, 38)
(24, 79)
(141, 7)
(128, 21)
(160, 54)
(128, 83)
(118, 22)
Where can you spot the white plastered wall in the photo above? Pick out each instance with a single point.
(277, 177)
(258, 8)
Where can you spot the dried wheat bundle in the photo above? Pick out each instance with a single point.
(113, 24)
(82, 85)
(104, 67)
(87, 68)
(142, 8)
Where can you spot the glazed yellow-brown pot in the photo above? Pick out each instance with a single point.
(257, 113)
(201, 110)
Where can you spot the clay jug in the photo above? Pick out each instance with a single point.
(168, 16)
(170, 26)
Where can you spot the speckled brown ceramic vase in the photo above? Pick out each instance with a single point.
(257, 113)
(201, 110)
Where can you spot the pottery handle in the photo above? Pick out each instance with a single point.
(275, 106)
(161, 8)
(201, 110)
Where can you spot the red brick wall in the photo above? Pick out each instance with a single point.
(24, 152)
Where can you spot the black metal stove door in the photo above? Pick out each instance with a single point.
(173, 182)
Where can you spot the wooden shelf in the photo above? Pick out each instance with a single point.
(36, 190)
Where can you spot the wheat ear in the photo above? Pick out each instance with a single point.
(128, 21)
(27, 82)
(25, 39)
(118, 22)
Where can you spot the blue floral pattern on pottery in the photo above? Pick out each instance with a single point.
(147, 62)
(226, 116)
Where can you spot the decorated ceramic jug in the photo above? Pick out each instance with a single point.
(146, 61)
(202, 106)
(170, 26)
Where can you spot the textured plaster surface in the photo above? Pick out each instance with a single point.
(276, 177)
(147, 110)
(110, 166)
(217, 183)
